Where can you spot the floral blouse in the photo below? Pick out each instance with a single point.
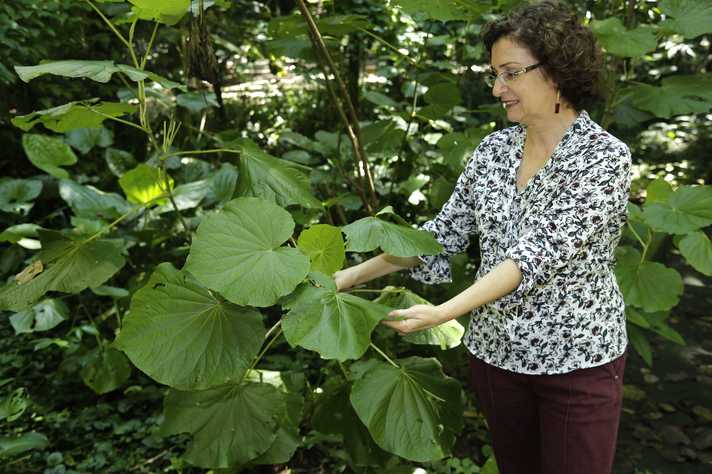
(561, 230)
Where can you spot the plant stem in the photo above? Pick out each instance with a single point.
(200, 152)
(388, 45)
(150, 46)
(109, 24)
(352, 120)
(642, 243)
(383, 354)
(263, 351)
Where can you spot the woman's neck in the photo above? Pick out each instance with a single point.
(546, 133)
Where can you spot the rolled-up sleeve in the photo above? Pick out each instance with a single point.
(452, 227)
(582, 210)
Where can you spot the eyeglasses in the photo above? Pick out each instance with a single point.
(508, 76)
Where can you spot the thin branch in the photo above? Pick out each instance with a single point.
(150, 46)
(352, 122)
(109, 23)
(383, 354)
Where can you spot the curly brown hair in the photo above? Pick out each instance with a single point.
(567, 49)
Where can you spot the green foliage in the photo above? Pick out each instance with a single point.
(324, 246)
(411, 410)
(182, 335)
(239, 253)
(48, 154)
(71, 266)
(336, 325)
(369, 233)
(445, 336)
(259, 235)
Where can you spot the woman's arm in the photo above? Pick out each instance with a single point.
(501, 280)
(375, 267)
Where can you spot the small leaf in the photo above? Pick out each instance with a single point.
(144, 184)
(105, 369)
(446, 335)
(85, 139)
(324, 246)
(238, 252)
(43, 316)
(48, 154)
(16, 195)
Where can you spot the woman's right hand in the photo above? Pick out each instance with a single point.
(345, 278)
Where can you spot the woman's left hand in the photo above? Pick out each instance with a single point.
(415, 318)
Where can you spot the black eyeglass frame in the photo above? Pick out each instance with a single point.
(491, 78)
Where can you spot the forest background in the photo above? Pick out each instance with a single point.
(180, 179)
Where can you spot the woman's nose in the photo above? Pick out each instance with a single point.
(497, 88)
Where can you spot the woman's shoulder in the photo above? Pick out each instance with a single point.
(601, 139)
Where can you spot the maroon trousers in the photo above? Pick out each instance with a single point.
(551, 424)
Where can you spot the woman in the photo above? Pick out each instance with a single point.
(548, 199)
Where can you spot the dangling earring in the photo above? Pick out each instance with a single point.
(558, 103)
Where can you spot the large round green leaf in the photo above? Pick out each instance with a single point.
(48, 154)
(414, 410)
(324, 246)
(238, 252)
(648, 285)
(182, 335)
(619, 41)
(690, 18)
(446, 335)
(689, 208)
(697, 250)
(85, 139)
(67, 265)
(336, 325)
(230, 425)
(262, 175)
(370, 233)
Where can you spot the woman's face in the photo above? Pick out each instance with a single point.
(529, 97)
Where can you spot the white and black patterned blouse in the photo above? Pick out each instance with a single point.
(561, 230)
